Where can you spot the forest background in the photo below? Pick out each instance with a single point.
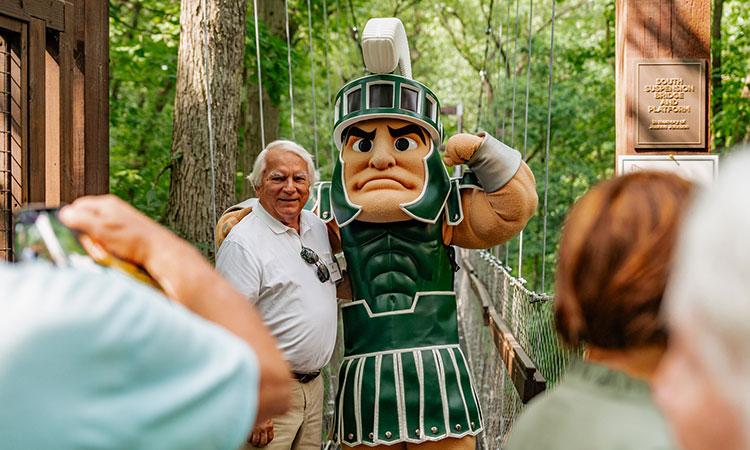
(475, 53)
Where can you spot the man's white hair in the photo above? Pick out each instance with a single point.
(709, 294)
(256, 177)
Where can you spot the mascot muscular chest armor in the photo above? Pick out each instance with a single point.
(404, 378)
(404, 381)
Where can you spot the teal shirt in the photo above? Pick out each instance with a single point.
(95, 360)
(592, 408)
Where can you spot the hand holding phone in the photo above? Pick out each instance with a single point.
(39, 234)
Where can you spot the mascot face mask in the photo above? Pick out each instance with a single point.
(384, 166)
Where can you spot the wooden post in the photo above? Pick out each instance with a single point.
(96, 96)
(662, 74)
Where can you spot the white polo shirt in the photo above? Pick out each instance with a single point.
(261, 258)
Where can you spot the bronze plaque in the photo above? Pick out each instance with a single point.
(670, 104)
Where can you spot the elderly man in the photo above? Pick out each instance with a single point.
(280, 258)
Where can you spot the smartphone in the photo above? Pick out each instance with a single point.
(39, 235)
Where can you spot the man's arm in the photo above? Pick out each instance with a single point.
(509, 199)
(187, 278)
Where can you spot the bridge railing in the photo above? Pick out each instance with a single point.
(509, 337)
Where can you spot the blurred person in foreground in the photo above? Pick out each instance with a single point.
(614, 261)
(703, 385)
(99, 360)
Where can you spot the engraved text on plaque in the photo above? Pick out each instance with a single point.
(670, 104)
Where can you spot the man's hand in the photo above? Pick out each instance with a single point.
(460, 148)
(262, 435)
(226, 222)
(118, 227)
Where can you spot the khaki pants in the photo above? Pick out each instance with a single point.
(301, 427)
(466, 443)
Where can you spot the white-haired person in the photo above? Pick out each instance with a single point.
(280, 258)
(703, 385)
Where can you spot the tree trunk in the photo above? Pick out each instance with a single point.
(192, 193)
(271, 14)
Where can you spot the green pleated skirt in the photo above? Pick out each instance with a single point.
(411, 394)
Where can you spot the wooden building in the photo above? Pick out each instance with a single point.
(54, 113)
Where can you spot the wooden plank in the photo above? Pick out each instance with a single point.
(526, 378)
(484, 297)
(36, 112)
(10, 24)
(67, 66)
(14, 9)
(50, 11)
(96, 92)
(52, 131)
(5, 152)
(18, 125)
(79, 19)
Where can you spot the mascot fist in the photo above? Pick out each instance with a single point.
(460, 148)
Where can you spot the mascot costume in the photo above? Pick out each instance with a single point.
(404, 381)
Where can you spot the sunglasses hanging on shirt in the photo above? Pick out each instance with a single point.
(309, 256)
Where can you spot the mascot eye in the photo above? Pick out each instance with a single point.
(362, 145)
(403, 144)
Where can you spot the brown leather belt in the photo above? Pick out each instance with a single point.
(305, 377)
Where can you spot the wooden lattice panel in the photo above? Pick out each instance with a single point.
(11, 189)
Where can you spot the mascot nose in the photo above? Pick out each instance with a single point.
(381, 158)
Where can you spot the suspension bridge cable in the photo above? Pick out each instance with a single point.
(549, 131)
(499, 62)
(289, 67)
(506, 66)
(526, 124)
(312, 79)
(260, 76)
(209, 112)
(328, 74)
(515, 82)
(483, 72)
(355, 33)
(513, 108)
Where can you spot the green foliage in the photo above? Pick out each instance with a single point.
(273, 58)
(731, 126)
(143, 55)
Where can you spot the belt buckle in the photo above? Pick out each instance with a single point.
(305, 378)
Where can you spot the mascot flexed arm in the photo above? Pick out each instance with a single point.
(404, 380)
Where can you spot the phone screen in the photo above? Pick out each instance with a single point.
(39, 234)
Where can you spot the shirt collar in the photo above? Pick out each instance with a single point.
(278, 227)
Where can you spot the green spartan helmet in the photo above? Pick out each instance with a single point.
(385, 94)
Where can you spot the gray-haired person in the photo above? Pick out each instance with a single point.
(280, 258)
(703, 385)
